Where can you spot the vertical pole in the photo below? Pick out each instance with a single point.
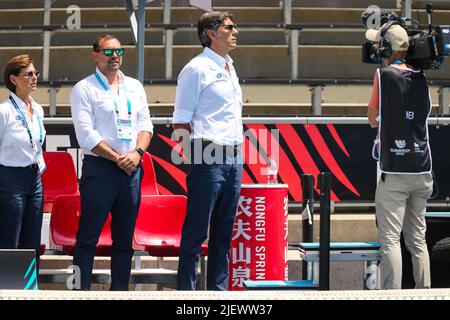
(202, 282)
(294, 54)
(168, 43)
(292, 40)
(287, 11)
(137, 266)
(324, 251)
(443, 100)
(141, 41)
(316, 100)
(47, 41)
(307, 222)
(406, 10)
(52, 100)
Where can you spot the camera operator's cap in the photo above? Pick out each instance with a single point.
(396, 34)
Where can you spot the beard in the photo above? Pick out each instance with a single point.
(113, 65)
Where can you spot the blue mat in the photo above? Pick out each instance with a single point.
(280, 285)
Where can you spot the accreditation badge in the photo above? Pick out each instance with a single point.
(39, 158)
(124, 132)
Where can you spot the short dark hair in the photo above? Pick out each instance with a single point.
(106, 36)
(210, 21)
(15, 66)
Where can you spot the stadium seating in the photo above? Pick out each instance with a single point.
(64, 226)
(327, 52)
(159, 224)
(60, 177)
(160, 220)
(149, 185)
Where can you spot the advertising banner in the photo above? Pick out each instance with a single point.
(345, 150)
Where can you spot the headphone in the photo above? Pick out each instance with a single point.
(385, 48)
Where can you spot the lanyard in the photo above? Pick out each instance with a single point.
(116, 106)
(25, 123)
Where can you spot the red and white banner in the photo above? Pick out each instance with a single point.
(260, 236)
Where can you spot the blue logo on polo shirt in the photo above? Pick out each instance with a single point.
(219, 75)
(19, 118)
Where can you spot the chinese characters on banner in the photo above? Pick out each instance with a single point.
(259, 245)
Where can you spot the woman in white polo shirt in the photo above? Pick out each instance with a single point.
(21, 161)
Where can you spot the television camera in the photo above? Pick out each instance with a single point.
(427, 47)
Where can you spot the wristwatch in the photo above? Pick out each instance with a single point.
(140, 151)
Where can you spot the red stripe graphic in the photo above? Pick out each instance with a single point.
(175, 145)
(164, 191)
(286, 170)
(255, 169)
(176, 173)
(337, 138)
(334, 197)
(301, 154)
(299, 150)
(327, 157)
(246, 179)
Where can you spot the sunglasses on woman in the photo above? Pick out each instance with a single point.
(30, 74)
(110, 52)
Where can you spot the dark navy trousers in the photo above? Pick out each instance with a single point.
(21, 207)
(213, 195)
(105, 188)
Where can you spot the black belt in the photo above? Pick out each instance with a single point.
(33, 166)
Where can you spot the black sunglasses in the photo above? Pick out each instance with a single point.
(30, 74)
(229, 26)
(110, 52)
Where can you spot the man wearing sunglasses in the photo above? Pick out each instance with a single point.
(113, 127)
(208, 110)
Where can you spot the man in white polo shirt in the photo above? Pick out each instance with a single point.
(113, 127)
(208, 107)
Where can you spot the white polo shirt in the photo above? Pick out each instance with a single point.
(15, 146)
(210, 99)
(94, 112)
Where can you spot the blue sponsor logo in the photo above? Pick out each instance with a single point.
(31, 276)
(219, 75)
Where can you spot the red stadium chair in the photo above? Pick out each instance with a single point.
(149, 184)
(158, 228)
(64, 225)
(160, 220)
(159, 224)
(60, 177)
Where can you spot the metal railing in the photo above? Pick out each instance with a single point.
(433, 120)
(316, 88)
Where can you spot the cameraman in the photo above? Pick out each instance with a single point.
(399, 106)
